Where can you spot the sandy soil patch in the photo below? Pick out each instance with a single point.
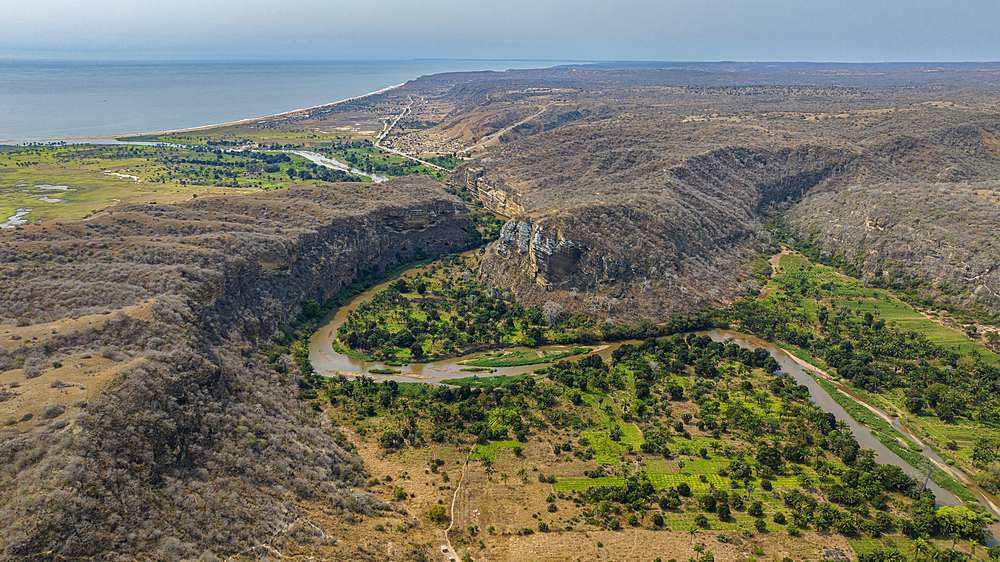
(64, 386)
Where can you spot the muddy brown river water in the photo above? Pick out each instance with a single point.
(328, 362)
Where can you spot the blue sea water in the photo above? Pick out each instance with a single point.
(73, 99)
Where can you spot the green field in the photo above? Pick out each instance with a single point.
(78, 180)
(850, 293)
(488, 452)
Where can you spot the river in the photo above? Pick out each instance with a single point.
(864, 436)
(328, 362)
(336, 164)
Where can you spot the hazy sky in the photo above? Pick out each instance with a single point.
(690, 30)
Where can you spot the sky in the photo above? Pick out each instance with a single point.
(606, 30)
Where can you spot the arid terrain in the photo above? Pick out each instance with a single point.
(154, 391)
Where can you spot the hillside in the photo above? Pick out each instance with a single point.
(142, 418)
(155, 394)
(918, 236)
(639, 192)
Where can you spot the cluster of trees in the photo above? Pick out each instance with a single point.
(482, 414)
(876, 356)
(443, 312)
(761, 441)
(183, 449)
(432, 316)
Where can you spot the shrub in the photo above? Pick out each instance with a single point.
(52, 411)
(724, 512)
(437, 513)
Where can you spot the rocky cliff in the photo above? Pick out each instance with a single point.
(648, 197)
(140, 419)
(670, 244)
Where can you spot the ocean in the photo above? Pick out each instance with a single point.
(73, 99)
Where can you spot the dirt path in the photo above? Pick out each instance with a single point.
(497, 134)
(381, 137)
(776, 259)
(454, 498)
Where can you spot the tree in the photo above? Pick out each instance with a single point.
(550, 311)
(962, 522)
(437, 513)
(920, 547)
(391, 439)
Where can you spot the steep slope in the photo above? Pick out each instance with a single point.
(140, 421)
(945, 234)
(644, 199)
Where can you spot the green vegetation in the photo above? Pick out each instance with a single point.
(359, 153)
(891, 355)
(272, 134)
(77, 180)
(527, 357)
(441, 311)
(679, 432)
(446, 162)
(484, 382)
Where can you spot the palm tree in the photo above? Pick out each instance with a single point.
(920, 546)
(490, 472)
(973, 543)
(503, 476)
(523, 474)
(693, 531)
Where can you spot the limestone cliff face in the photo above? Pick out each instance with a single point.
(495, 194)
(548, 257)
(676, 242)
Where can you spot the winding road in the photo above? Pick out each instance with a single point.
(389, 126)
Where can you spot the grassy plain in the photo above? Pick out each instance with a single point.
(78, 180)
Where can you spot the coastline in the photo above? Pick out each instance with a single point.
(206, 127)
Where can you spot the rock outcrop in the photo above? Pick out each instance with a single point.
(145, 424)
